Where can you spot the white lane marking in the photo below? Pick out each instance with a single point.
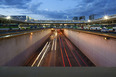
(39, 55)
(43, 55)
(56, 34)
(55, 44)
(52, 45)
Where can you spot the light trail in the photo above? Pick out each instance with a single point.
(52, 45)
(55, 44)
(66, 54)
(43, 55)
(73, 54)
(61, 53)
(39, 55)
(79, 56)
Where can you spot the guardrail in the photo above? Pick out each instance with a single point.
(94, 32)
(19, 32)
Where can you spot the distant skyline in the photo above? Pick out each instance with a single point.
(57, 9)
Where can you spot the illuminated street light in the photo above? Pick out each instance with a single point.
(31, 33)
(106, 38)
(106, 17)
(89, 20)
(8, 17)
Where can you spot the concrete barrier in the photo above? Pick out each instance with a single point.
(14, 51)
(100, 51)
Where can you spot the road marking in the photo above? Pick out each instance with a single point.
(39, 55)
(43, 55)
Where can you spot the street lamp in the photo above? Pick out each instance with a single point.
(106, 17)
(8, 17)
(89, 20)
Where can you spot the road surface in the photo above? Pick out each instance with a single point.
(58, 51)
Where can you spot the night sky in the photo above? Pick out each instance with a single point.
(57, 9)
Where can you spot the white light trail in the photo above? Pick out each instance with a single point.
(52, 45)
(39, 55)
(43, 55)
(55, 44)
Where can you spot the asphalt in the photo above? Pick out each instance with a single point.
(59, 51)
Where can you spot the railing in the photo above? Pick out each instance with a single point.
(60, 21)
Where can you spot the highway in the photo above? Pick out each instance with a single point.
(58, 51)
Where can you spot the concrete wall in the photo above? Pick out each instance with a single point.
(100, 51)
(14, 51)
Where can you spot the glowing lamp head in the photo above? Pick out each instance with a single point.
(89, 20)
(106, 17)
(31, 33)
(107, 38)
(8, 17)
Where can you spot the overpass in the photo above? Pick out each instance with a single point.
(63, 23)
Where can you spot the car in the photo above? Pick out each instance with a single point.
(104, 30)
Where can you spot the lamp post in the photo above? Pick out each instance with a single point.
(89, 23)
(106, 18)
(8, 18)
(89, 20)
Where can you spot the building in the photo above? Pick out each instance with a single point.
(2, 16)
(75, 18)
(19, 18)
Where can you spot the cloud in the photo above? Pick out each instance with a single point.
(88, 1)
(34, 6)
(60, 0)
(15, 3)
(50, 14)
(99, 7)
(82, 7)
